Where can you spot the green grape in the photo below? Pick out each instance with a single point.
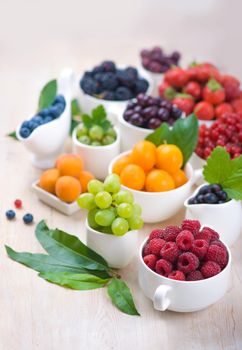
(125, 210)
(111, 132)
(86, 201)
(91, 219)
(104, 217)
(112, 183)
(124, 197)
(84, 139)
(105, 229)
(95, 186)
(135, 222)
(114, 210)
(107, 140)
(96, 143)
(96, 132)
(103, 200)
(137, 210)
(81, 132)
(120, 226)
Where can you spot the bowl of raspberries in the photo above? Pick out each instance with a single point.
(111, 85)
(184, 268)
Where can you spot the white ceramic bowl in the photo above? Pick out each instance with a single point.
(225, 218)
(88, 102)
(53, 201)
(46, 142)
(96, 158)
(118, 251)
(182, 296)
(160, 206)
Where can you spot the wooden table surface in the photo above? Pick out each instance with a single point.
(36, 314)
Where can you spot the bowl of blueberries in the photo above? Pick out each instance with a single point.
(44, 134)
(211, 204)
(155, 62)
(111, 86)
(142, 116)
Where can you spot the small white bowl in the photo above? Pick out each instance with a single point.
(96, 158)
(118, 251)
(225, 218)
(53, 201)
(89, 102)
(182, 296)
(160, 206)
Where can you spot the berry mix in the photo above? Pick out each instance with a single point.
(209, 194)
(11, 214)
(156, 61)
(225, 131)
(44, 116)
(185, 253)
(108, 82)
(203, 90)
(150, 112)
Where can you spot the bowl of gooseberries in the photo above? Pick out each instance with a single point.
(113, 220)
(157, 178)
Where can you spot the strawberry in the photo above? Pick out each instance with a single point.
(213, 92)
(237, 105)
(204, 110)
(177, 77)
(166, 91)
(184, 102)
(223, 108)
(194, 89)
(229, 79)
(203, 72)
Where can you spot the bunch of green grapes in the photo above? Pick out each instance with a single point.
(110, 209)
(96, 136)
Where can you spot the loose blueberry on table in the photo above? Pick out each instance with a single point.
(156, 61)
(44, 116)
(209, 194)
(28, 218)
(10, 214)
(149, 112)
(185, 253)
(108, 82)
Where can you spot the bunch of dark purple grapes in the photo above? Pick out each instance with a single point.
(156, 61)
(149, 112)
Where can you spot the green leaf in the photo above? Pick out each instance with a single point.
(98, 114)
(87, 121)
(160, 135)
(75, 108)
(74, 124)
(75, 281)
(227, 172)
(69, 249)
(13, 135)
(121, 296)
(47, 95)
(105, 124)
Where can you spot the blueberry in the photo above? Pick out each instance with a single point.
(192, 200)
(132, 72)
(109, 95)
(210, 198)
(59, 99)
(200, 198)
(97, 69)
(124, 78)
(28, 218)
(221, 202)
(215, 188)
(108, 66)
(44, 112)
(10, 214)
(176, 112)
(47, 119)
(122, 93)
(222, 195)
(141, 85)
(33, 125)
(109, 81)
(90, 86)
(37, 119)
(25, 124)
(205, 189)
(55, 111)
(24, 132)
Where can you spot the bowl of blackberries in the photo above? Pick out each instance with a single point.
(156, 62)
(142, 116)
(211, 204)
(111, 85)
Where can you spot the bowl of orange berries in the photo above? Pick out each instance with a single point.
(156, 177)
(60, 187)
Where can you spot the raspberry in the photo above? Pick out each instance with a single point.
(194, 276)
(171, 233)
(146, 249)
(18, 203)
(157, 233)
(205, 234)
(210, 269)
(199, 248)
(214, 234)
(150, 260)
(163, 267)
(218, 243)
(155, 245)
(184, 240)
(170, 251)
(177, 275)
(218, 255)
(187, 262)
(191, 225)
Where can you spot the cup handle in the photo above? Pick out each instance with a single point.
(197, 175)
(161, 300)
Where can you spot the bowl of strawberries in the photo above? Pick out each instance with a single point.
(203, 90)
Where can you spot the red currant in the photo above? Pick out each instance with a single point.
(18, 203)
